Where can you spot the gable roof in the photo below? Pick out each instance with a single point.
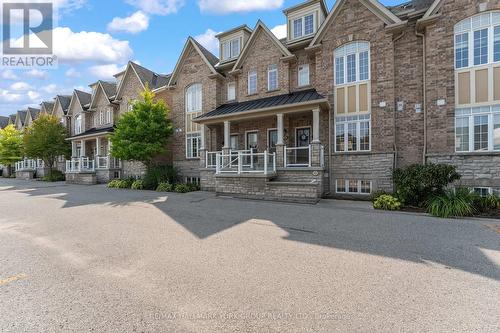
(83, 97)
(146, 77)
(21, 116)
(108, 88)
(258, 27)
(34, 113)
(12, 119)
(47, 106)
(209, 59)
(64, 101)
(373, 5)
(4, 122)
(436, 5)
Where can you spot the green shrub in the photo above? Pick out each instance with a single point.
(387, 202)
(138, 185)
(485, 204)
(160, 174)
(416, 184)
(165, 187)
(114, 183)
(458, 203)
(193, 187)
(121, 183)
(182, 188)
(55, 176)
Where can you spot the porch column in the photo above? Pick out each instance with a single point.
(280, 146)
(202, 150)
(226, 150)
(316, 153)
(315, 126)
(227, 134)
(83, 151)
(73, 149)
(98, 146)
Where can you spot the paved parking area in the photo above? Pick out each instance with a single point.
(77, 258)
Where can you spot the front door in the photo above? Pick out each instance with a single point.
(302, 139)
(252, 141)
(234, 142)
(272, 139)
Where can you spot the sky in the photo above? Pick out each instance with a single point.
(95, 39)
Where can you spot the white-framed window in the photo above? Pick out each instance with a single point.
(353, 133)
(78, 124)
(272, 77)
(352, 63)
(303, 75)
(485, 191)
(252, 82)
(353, 186)
(101, 117)
(193, 142)
(194, 107)
(194, 98)
(303, 26)
(477, 129)
(231, 49)
(130, 106)
(231, 91)
(477, 40)
(109, 116)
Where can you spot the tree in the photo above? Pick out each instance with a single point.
(45, 139)
(11, 146)
(142, 133)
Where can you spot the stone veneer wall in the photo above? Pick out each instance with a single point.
(481, 170)
(26, 175)
(375, 167)
(133, 169)
(81, 178)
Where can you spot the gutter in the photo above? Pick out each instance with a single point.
(395, 146)
(424, 87)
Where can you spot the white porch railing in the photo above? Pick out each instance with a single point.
(298, 156)
(246, 162)
(107, 162)
(25, 165)
(81, 164)
(211, 159)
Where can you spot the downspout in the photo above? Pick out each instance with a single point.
(424, 87)
(395, 146)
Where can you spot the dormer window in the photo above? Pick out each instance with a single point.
(231, 49)
(303, 26)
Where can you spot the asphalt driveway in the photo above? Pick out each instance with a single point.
(77, 258)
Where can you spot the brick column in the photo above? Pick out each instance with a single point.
(203, 158)
(280, 151)
(316, 143)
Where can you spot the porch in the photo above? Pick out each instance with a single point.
(91, 161)
(273, 155)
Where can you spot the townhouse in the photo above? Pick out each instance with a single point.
(91, 119)
(349, 95)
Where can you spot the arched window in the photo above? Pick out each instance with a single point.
(477, 83)
(477, 40)
(352, 97)
(194, 99)
(352, 63)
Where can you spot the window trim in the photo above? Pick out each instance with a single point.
(196, 135)
(460, 29)
(302, 19)
(269, 130)
(343, 49)
(251, 74)
(358, 133)
(308, 75)
(471, 116)
(246, 138)
(346, 186)
(269, 71)
(229, 44)
(233, 84)
(187, 91)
